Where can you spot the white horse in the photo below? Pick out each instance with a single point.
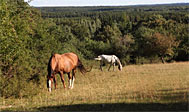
(111, 59)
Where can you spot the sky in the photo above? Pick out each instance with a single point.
(38, 3)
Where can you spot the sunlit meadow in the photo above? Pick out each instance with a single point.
(137, 87)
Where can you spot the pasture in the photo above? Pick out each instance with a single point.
(148, 87)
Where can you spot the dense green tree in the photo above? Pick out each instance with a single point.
(15, 30)
(123, 47)
(26, 42)
(161, 45)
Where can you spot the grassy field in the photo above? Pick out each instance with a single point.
(149, 87)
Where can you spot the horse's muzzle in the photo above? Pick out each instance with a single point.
(49, 85)
(49, 89)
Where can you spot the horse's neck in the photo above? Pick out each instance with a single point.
(117, 59)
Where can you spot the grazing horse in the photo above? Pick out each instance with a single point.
(111, 59)
(61, 64)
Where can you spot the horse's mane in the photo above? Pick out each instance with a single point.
(118, 61)
(49, 69)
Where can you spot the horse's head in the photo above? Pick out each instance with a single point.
(118, 62)
(49, 82)
(120, 67)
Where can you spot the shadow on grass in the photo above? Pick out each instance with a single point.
(178, 99)
(119, 107)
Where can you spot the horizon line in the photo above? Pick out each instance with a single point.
(107, 5)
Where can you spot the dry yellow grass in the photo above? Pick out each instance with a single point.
(137, 87)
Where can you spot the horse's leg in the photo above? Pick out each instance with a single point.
(109, 67)
(54, 78)
(62, 78)
(70, 80)
(101, 63)
(113, 66)
(73, 78)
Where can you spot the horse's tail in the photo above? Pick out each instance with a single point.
(98, 58)
(82, 69)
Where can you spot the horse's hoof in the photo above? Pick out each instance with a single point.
(70, 87)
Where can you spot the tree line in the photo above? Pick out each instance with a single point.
(138, 34)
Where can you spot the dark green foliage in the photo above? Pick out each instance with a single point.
(27, 42)
(138, 34)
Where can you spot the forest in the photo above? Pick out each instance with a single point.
(136, 34)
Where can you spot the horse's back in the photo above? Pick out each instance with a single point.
(108, 58)
(70, 57)
(66, 62)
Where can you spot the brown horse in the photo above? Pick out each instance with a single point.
(61, 64)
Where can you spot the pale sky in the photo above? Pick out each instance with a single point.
(100, 2)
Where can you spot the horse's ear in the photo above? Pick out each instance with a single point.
(52, 53)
